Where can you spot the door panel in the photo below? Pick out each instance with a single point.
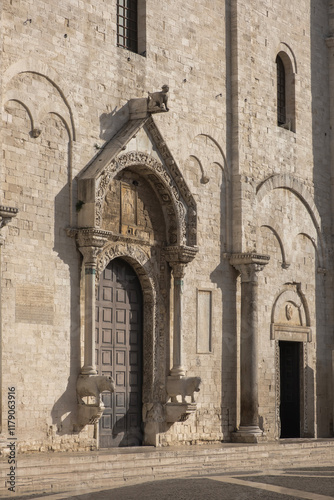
(119, 353)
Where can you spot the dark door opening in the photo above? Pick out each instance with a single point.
(119, 354)
(290, 389)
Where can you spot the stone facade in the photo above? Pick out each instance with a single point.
(225, 217)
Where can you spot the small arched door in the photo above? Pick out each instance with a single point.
(119, 353)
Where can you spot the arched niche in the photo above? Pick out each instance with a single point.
(290, 319)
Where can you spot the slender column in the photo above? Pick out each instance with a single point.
(178, 275)
(89, 242)
(249, 267)
(89, 367)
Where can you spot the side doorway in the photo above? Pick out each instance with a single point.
(119, 351)
(290, 388)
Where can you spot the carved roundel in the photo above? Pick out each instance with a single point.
(181, 220)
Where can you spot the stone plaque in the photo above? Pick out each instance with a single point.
(34, 304)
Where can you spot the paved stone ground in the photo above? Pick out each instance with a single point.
(315, 483)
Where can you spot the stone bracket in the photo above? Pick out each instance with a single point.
(89, 414)
(179, 412)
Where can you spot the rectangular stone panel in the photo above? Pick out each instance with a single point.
(34, 304)
(204, 319)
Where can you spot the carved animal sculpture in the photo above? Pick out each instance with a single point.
(93, 385)
(183, 387)
(158, 100)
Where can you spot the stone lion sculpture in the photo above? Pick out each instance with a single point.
(185, 386)
(157, 101)
(94, 385)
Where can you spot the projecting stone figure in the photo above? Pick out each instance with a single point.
(185, 386)
(157, 101)
(94, 385)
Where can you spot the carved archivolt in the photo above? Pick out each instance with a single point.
(148, 278)
(181, 223)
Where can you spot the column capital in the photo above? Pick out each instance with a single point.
(180, 254)
(249, 265)
(179, 269)
(89, 242)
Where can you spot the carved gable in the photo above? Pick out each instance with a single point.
(134, 187)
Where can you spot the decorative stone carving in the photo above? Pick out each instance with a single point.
(94, 385)
(6, 215)
(185, 386)
(165, 186)
(157, 101)
(249, 265)
(89, 415)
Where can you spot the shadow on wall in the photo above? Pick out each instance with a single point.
(319, 18)
(64, 411)
(111, 123)
(225, 277)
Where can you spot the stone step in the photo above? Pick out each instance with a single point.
(65, 472)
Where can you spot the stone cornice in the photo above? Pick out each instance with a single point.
(248, 258)
(6, 215)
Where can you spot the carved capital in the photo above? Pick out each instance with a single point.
(249, 265)
(179, 269)
(89, 242)
(180, 254)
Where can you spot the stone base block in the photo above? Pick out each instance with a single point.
(248, 434)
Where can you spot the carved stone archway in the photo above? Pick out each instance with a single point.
(158, 262)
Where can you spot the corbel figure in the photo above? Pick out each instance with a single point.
(157, 101)
(92, 386)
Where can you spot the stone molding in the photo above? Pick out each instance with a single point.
(291, 333)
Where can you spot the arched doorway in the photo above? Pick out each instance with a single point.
(119, 347)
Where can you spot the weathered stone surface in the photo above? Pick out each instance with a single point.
(216, 177)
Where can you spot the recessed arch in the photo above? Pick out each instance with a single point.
(285, 264)
(291, 183)
(43, 70)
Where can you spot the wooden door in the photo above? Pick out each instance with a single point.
(119, 354)
(290, 389)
